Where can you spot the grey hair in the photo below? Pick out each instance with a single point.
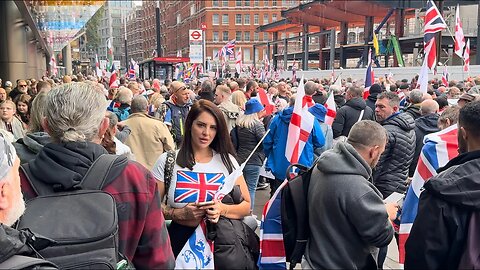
(416, 96)
(124, 95)
(37, 112)
(74, 112)
(367, 133)
(113, 119)
(139, 104)
(207, 86)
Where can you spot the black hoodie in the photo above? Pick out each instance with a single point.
(423, 126)
(349, 114)
(438, 236)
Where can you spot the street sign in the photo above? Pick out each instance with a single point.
(195, 35)
(196, 46)
(203, 26)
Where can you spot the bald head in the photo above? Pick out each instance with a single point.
(429, 106)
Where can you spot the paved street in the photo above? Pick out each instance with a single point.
(261, 196)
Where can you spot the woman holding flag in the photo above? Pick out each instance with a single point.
(201, 168)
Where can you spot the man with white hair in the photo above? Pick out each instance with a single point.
(75, 120)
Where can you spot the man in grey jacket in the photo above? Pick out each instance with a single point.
(347, 218)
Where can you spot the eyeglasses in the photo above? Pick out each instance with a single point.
(22, 85)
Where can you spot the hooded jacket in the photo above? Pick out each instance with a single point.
(29, 146)
(347, 217)
(349, 114)
(143, 238)
(444, 212)
(391, 172)
(424, 125)
(275, 143)
(413, 110)
(231, 112)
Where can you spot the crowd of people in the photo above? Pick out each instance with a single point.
(174, 133)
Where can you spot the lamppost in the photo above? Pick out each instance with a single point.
(157, 18)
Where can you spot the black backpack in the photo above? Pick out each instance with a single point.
(294, 213)
(82, 222)
(23, 262)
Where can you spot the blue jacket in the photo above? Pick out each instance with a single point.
(275, 143)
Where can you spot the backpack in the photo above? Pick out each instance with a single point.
(470, 258)
(168, 171)
(24, 262)
(294, 213)
(82, 222)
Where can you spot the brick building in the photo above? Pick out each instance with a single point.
(225, 20)
(135, 35)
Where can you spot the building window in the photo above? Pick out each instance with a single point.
(274, 17)
(225, 19)
(215, 19)
(265, 36)
(247, 3)
(246, 54)
(284, 3)
(192, 10)
(215, 36)
(246, 19)
(255, 36)
(238, 35)
(265, 3)
(246, 36)
(215, 3)
(238, 19)
(255, 19)
(256, 3)
(238, 3)
(179, 19)
(274, 3)
(225, 3)
(265, 18)
(225, 36)
(257, 52)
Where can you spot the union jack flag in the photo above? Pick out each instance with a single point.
(439, 148)
(369, 76)
(226, 50)
(193, 187)
(445, 76)
(433, 23)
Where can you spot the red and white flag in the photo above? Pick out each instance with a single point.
(422, 82)
(238, 61)
(466, 57)
(301, 124)
(459, 37)
(265, 100)
(331, 110)
(98, 71)
(445, 76)
(53, 66)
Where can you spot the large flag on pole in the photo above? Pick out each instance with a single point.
(433, 23)
(226, 50)
(466, 57)
(301, 124)
(439, 148)
(369, 76)
(459, 37)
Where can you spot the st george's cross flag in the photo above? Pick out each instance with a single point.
(272, 248)
(459, 37)
(439, 148)
(466, 57)
(301, 124)
(331, 109)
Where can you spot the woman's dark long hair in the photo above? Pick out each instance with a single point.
(222, 143)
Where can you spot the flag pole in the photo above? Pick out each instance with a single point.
(258, 145)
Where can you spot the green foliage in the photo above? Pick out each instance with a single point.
(91, 29)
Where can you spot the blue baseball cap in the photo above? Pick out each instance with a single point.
(253, 106)
(319, 111)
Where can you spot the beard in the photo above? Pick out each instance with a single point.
(16, 212)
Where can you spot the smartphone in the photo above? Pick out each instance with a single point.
(205, 203)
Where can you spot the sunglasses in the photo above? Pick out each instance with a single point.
(23, 85)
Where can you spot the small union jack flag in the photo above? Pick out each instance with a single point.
(193, 187)
(226, 50)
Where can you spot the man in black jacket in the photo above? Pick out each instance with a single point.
(449, 204)
(391, 173)
(354, 110)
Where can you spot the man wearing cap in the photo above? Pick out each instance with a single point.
(319, 111)
(465, 98)
(275, 143)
